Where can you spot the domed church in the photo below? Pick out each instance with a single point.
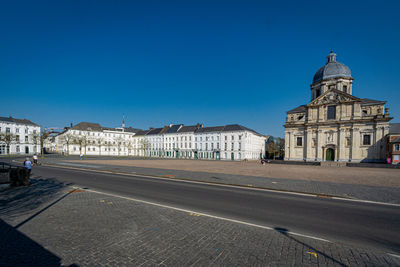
(335, 125)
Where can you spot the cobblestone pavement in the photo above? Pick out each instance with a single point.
(382, 193)
(62, 226)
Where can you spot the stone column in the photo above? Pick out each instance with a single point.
(287, 145)
(355, 144)
(377, 142)
(341, 144)
(308, 145)
(318, 146)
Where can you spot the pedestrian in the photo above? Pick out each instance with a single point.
(28, 166)
(389, 160)
(35, 159)
(81, 156)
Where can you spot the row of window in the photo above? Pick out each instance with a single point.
(366, 140)
(8, 130)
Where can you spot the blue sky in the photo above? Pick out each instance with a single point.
(213, 62)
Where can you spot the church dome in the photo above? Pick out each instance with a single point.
(332, 69)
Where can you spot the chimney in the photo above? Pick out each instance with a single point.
(199, 125)
(10, 117)
(71, 124)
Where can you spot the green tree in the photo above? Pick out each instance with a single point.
(7, 138)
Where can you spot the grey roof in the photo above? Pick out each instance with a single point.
(18, 121)
(87, 126)
(131, 130)
(299, 109)
(158, 130)
(174, 128)
(226, 128)
(397, 140)
(332, 69)
(142, 132)
(188, 129)
(394, 128)
(90, 126)
(366, 101)
(210, 129)
(154, 131)
(237, 127)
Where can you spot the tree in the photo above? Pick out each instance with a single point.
(85, 141)
(144, 146)
(8, 139)
(271, 149)
(275, 147)
(82, 142)
(43, 136)
(36, 140)
(280, 146)
(130, 144)
(99, 141)
(108, 145)
(67, 139)
(120, 142)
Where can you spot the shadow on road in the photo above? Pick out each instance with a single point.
(317, 252)
(17, 201)
(16, 249)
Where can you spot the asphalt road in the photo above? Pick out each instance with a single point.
(354, 223)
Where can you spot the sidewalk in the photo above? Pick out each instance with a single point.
(381, 185)
(63, 226)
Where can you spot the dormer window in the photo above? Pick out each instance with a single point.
(317, 93)
(345, 89)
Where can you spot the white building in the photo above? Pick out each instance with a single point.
(230, 142)
(19, 136)
(93, 139)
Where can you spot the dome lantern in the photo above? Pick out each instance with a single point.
(332, 69)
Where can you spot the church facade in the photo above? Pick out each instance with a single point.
(335, 125)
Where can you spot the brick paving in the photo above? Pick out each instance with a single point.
(59, 226)
(374, 184)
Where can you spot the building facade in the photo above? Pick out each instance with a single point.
(19, 136)
(335, 125)
(393, 141)
(92, 139)
(230, 142)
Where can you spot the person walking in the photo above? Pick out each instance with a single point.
(81, 156)
(28, 166)
(35, 159)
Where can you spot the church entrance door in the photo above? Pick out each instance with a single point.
(330, 154)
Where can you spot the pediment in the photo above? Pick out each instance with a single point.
(333, 96)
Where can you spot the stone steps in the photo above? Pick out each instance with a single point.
(333, 164)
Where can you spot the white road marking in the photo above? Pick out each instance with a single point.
(230, 186)
(368, 201)
(203, 214)
(393, 255)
